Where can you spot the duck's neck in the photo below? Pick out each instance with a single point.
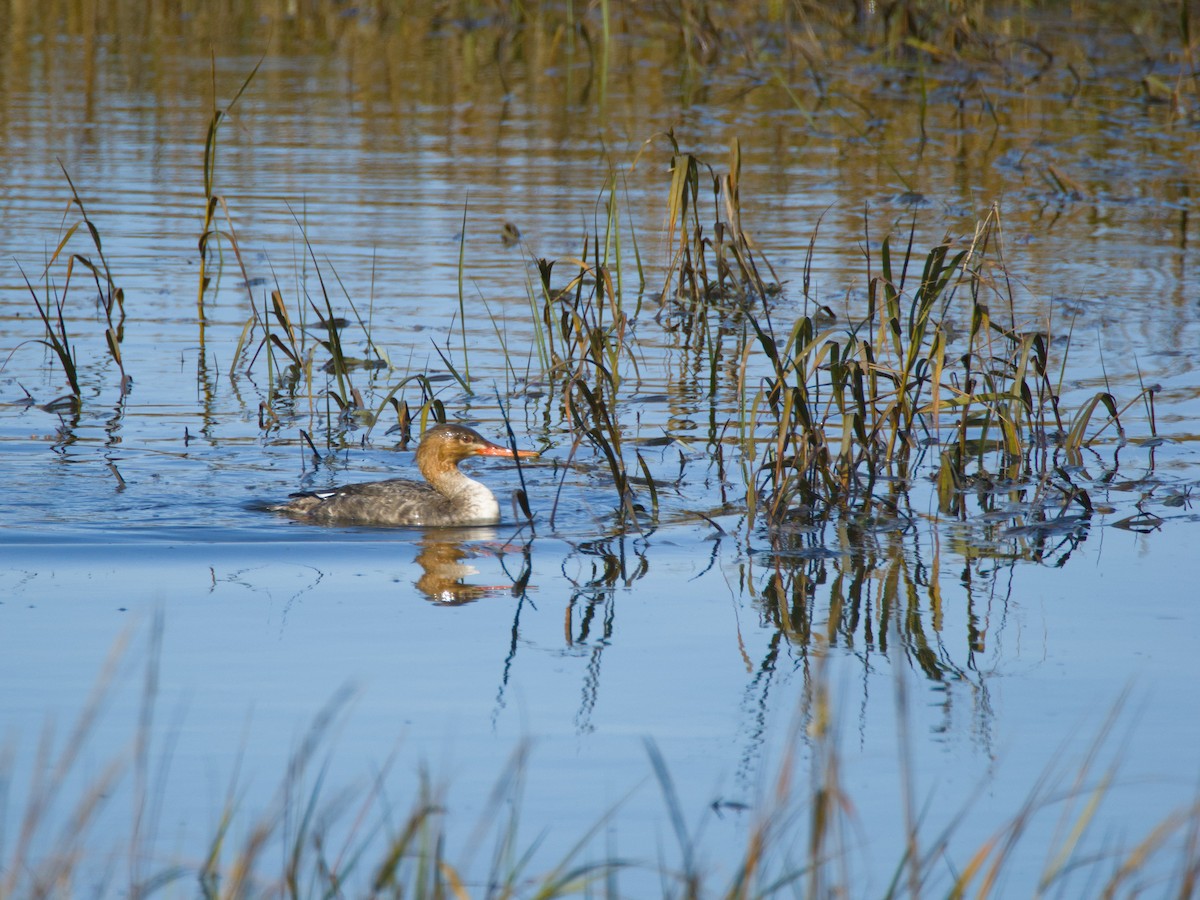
(470, 495)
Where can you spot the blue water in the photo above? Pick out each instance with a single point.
(449, 652)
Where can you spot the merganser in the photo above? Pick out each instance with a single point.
(449, 498)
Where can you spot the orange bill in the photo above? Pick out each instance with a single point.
(490, 449)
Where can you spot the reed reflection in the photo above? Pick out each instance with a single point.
(589, 623)
(602, 568)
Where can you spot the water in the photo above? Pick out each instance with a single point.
(450, 651)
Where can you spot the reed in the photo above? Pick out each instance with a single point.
(57, 339)
(539, 314)
(111, 297)
(314, 839)
(835, 419)
(430, 407)
(582, 339)
(827, 411)
(52, 313)
(209, 232)
(465, 378)
(848, 408)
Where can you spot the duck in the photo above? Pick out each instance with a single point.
(447, 497)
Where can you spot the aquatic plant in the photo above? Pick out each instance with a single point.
(209, 231)
(836, 420)
(583, 343)
(827, 412)
(316, 839)
(110, 297)
(57, 339)
(845, 408)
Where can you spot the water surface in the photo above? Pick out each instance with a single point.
(379, 168)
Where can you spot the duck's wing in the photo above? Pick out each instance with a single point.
(390, 487)
(396, 501)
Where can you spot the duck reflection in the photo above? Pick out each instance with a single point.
(446, 570)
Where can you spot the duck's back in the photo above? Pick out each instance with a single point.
(394, 502)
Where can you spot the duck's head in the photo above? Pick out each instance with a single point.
(445, 446)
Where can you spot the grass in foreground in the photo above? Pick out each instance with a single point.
(314, 841)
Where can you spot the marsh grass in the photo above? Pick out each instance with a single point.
(583, 341)
(209, 232)
(57, 339)
(109, 297)
(289, 342)
(846, 407)
(836, 418)
(850, 407)
(831, 415)
(314, 838)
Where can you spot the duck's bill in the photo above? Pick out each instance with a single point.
(497, 450)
